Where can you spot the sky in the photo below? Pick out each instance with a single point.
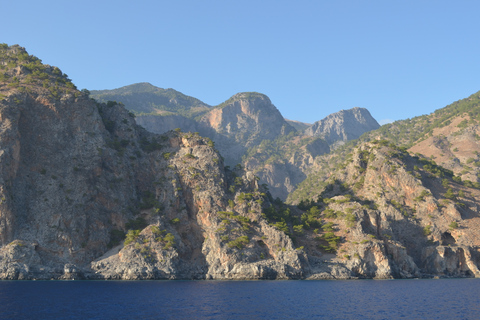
(398, 59)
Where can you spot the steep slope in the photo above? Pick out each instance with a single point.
(86, 193)
(300, 126)
(244, 127)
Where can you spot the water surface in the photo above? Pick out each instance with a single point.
(362, 299)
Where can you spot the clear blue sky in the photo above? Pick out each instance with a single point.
(399, 59)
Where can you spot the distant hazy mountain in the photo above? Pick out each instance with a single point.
(144, 98)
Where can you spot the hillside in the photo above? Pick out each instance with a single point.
(391, 214)
(449, 136)
(298, 125)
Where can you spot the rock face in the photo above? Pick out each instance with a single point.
(343, 125)
(77, 175)
(288, 166)
(286, 169)
(243, 121)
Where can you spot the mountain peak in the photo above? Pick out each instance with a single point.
(242, 96)
(343, 125)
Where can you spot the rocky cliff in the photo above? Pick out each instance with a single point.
(244, 121)
(78, 178)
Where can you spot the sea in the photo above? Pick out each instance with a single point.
(352, 299)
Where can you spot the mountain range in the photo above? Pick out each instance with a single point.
(147, 183)
(247, 129)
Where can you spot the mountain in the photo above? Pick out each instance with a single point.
(343, 126)
(422, 185)
(235, 125)
(243, 121)
(285, 163)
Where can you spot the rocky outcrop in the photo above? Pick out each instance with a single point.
(241, 124)
(343, 125)
(243, 121)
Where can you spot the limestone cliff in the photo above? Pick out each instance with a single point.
(244, 121)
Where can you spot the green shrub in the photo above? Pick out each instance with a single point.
(132, 235)
(298, 229)
(175, 221)
(240, 242)
(453, 225)
(169, 240)
(281, 225)
(427, 230)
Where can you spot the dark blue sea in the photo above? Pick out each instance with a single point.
(355, 299)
